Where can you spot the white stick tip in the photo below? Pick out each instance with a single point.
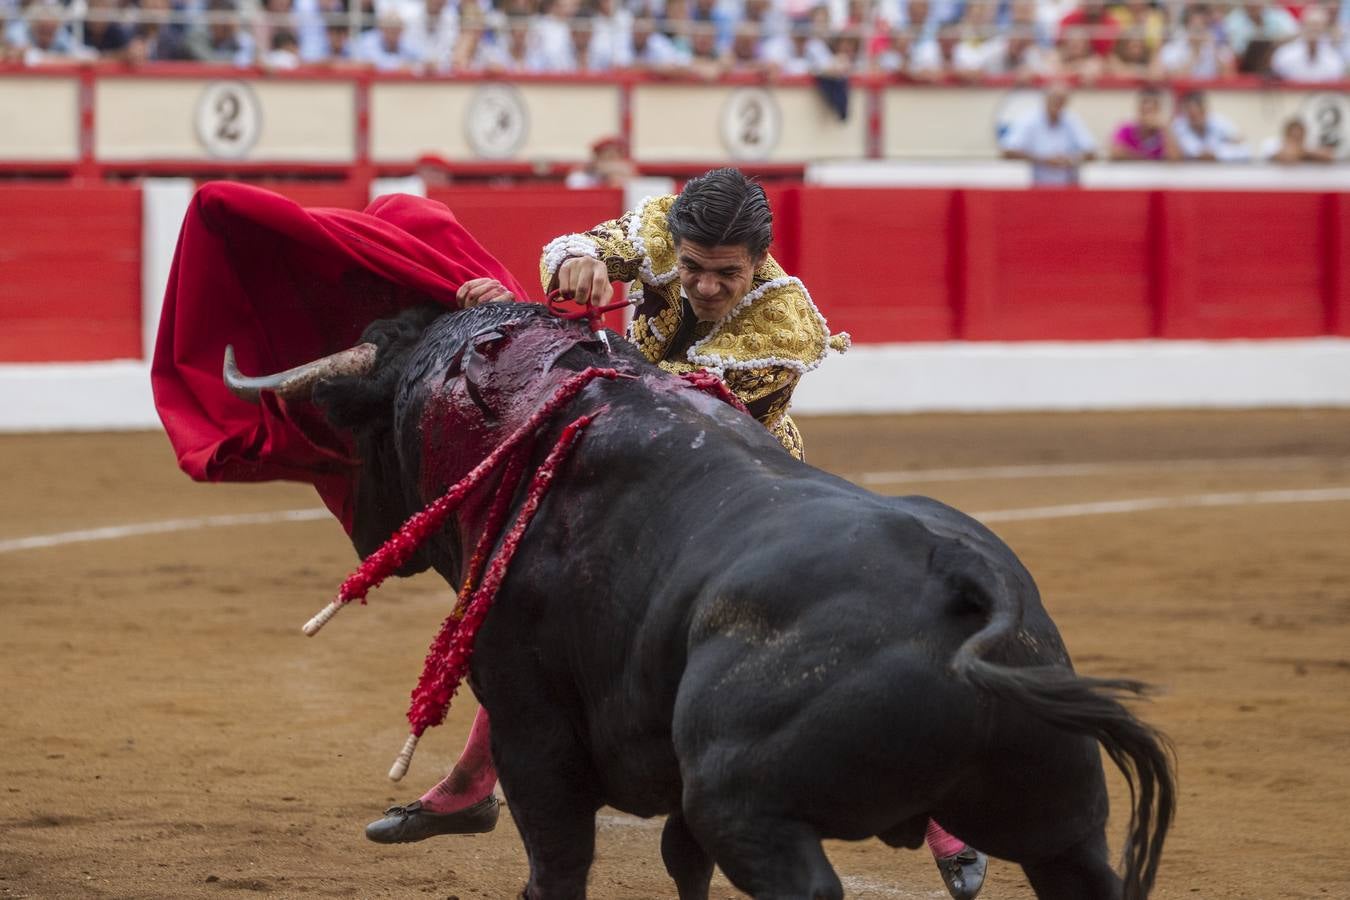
(400, 766)
(320, 619)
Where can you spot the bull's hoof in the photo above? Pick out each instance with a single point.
(963, 873)
(406, 824)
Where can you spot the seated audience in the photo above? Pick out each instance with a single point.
(222, 38)
(1311, 57)
(1147, 137)
(1195, 52)
(1292, 146)
(1053, 138)
(1254, 30)
(1204, 136)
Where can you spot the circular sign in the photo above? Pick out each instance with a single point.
(496, 122)
(751, 123)
(228, 119)
(1327, 117)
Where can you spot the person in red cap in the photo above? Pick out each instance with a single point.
(609, 166)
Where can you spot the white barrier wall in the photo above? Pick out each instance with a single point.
(225, 116)
(41, 117)
(224, 119)
(697, 123)
(490, 120)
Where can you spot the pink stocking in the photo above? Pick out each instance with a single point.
(472, 778)
(941, 843)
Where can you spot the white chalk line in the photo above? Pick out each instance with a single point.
(1071, 470)
(1146, 504)
(163, 526)
(1025, 514)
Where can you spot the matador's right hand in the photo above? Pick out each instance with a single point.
(585, 280)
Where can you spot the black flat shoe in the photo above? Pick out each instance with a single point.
(406, 824)
(963, 873)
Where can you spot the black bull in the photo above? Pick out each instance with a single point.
(698, 625)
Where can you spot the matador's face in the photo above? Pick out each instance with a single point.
(715, 278)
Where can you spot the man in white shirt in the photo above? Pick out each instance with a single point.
(388, 47)
(1203, 136)
(1052, 138)
(1312, 57)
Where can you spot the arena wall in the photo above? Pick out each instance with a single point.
(957, 298)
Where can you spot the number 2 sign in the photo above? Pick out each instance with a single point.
(228, 119)
(751, 124)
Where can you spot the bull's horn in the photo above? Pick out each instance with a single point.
(296, 383)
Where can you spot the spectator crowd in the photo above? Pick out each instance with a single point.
(916, 39)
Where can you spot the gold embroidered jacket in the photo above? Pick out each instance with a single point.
(761, 348)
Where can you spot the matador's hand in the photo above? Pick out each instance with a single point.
(585, 280)
(482, 290)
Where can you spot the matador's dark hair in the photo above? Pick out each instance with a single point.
(722, 207)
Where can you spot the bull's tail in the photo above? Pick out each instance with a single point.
(1093, 707)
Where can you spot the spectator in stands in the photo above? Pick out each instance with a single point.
(935, 58)
(704, 59)
(806, 51)
(1131, 57)
(1292, 146)
(1204, 136)
(678, 27)
(276, 15)
(1077, 56)
(1147, 137)
(714, 13)
(745, 55)
(1254, 30)
(433, 29)
(1142, 18)
(1311, 57)
(105, 33)
(222, 39)
(980, 51)
(158, 38)
(471, 35)
(46, 36)
(849, 56)
(551, 47)
(1025, 52)
(339, 48)
(387, 47)
(285, 51)
(1195, 52)
(312, 19)
(919, 18)
(611, 45)
(609, 166)
(653, 50)
(1053, 138)
(1090, 20)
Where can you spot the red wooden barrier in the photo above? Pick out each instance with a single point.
(1241, 265)
(878, 263)
(70, 274)
(1041, 265)
(887, 265)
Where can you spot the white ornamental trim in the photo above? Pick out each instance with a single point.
(635, 297)
(561, 249)
(647, 273)
(712, 359)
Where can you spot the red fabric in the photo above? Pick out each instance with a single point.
(285, 285)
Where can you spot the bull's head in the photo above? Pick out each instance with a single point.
(427, 395)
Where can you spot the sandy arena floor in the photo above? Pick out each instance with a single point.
(167, 732)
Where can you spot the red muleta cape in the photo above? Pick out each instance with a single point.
(286, 285)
